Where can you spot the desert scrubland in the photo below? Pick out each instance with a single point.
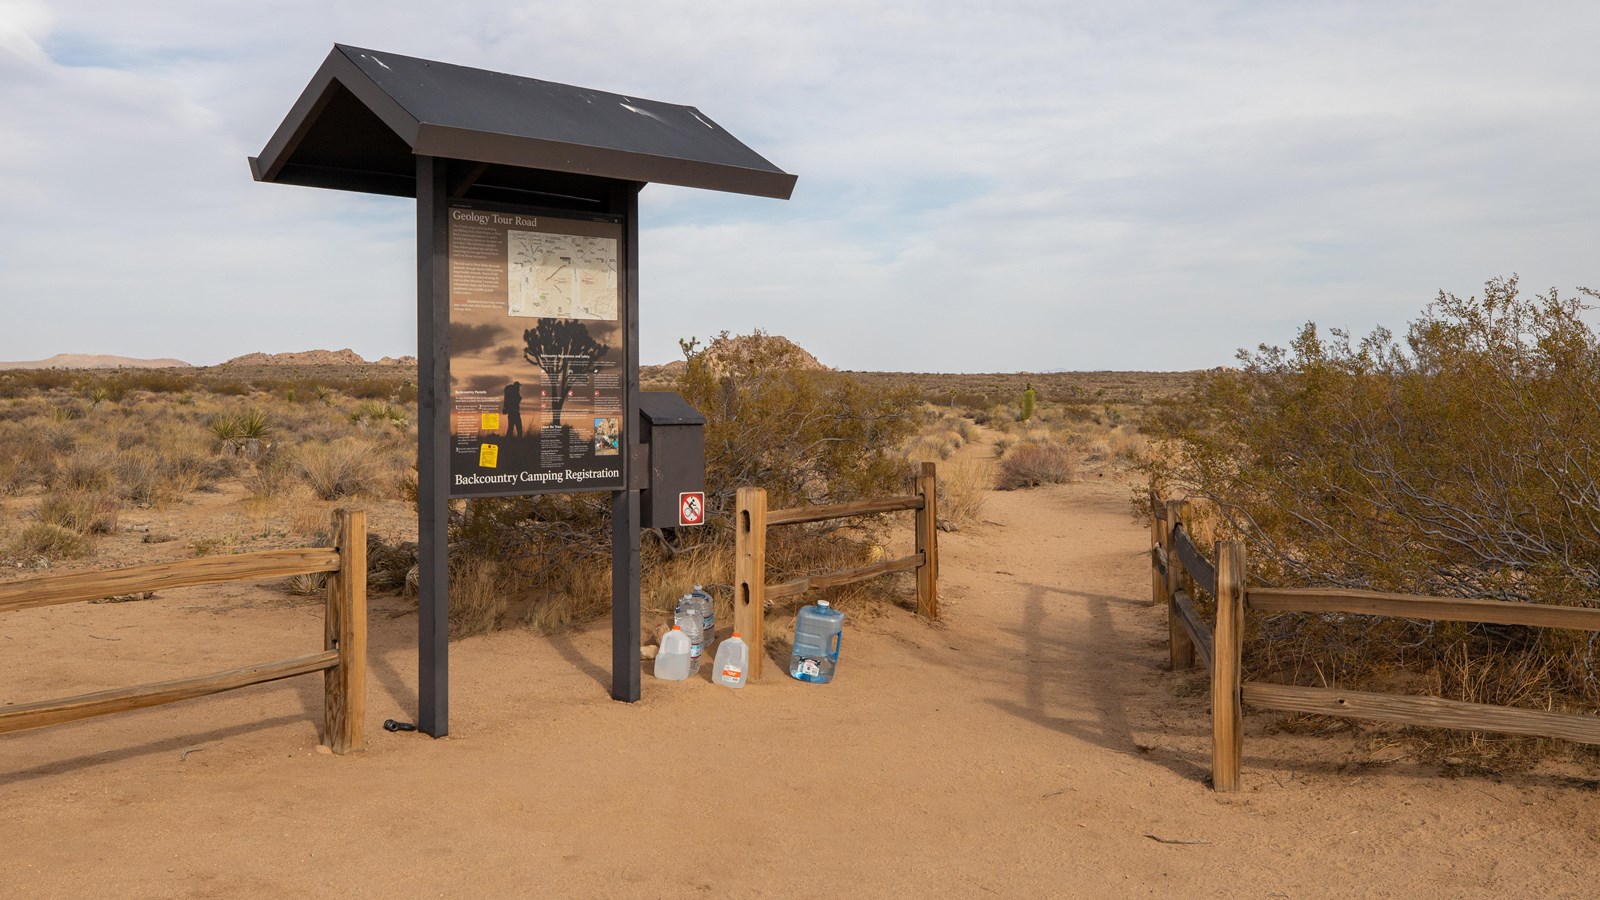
(1031, 742)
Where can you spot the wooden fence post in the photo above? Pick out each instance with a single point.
(1179, 648)
(344, 695)
(750, 574)
(928, 543)
(1158, 542)
(1227, 721)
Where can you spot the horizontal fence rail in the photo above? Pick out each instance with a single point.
(49, 590)
(1177, 567)
(841, 510)
(844, 576)
(752, 519)
(1412, 606)
(1195, 565)
(1199, 634)
(1434, 712)
(100, 703)
(342, 659)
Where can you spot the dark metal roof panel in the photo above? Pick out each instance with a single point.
(452, 111)
(667, 408)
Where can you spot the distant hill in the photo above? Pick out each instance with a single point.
(345, 357)
(95, 361)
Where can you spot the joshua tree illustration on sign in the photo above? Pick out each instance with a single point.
(562, 348)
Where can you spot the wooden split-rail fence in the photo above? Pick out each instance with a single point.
(343, 658)
(752, 519)
(1179, 569)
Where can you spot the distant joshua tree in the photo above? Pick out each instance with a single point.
(561, 348)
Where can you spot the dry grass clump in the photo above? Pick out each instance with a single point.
(479, 595)
(1033, 463)
(52, 543)
(343, 468)
(85, 470)
(85, 512)
(964, 485)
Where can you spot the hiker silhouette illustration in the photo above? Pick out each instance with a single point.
(512, 408)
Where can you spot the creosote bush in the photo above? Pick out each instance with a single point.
(1462, 461)
(774, 420)
(1035, 462)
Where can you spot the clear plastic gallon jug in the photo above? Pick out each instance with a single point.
(672, 661)
(733, 662)
(688, 621)
(818, 631)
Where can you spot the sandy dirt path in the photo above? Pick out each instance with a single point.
(1033, 744)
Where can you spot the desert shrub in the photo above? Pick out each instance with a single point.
(228, 387)
(1035, 462)
(774, 420)
(250, 423)
(272, 475)
(85, 470)
(372, 413)
(308, 584)
(806, 435)
(371, 388)
(50, 542)
(86, 512)
(138, 475)
(478, 596)
(23, 382)
(158, 381)
(21, 463)
(342, 468)
(1463, 461)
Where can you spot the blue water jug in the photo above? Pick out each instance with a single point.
(818, 631)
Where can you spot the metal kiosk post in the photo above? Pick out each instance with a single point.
(527, 266)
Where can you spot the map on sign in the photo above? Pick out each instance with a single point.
(561, 276)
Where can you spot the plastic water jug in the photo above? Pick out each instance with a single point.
(688, 622)
(672, 661)
(708, 612)
(818, 632)
(733, 662)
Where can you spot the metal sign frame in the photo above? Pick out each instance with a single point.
(383, 123)
(433, 448)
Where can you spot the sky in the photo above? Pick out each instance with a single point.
(993, 186)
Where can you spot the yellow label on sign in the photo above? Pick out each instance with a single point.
(488, 456)
(491, 421)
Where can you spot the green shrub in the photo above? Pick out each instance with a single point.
(773, 421)
(373, 413)
(804, 434)
(1462, 461)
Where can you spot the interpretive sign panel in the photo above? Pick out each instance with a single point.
(536, 352)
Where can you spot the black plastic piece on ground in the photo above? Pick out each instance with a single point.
(392, 725)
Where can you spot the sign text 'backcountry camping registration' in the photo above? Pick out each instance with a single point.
(536, 355)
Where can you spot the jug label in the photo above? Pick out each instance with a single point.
(732, 672)
(810, 667)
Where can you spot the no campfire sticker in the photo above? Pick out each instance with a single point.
(691, 508)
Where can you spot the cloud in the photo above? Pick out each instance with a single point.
(1012, 185)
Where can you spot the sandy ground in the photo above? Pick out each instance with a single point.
(1032, 744)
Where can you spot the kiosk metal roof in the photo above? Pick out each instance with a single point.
(366, 114)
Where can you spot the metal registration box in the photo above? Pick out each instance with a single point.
(673, 436)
